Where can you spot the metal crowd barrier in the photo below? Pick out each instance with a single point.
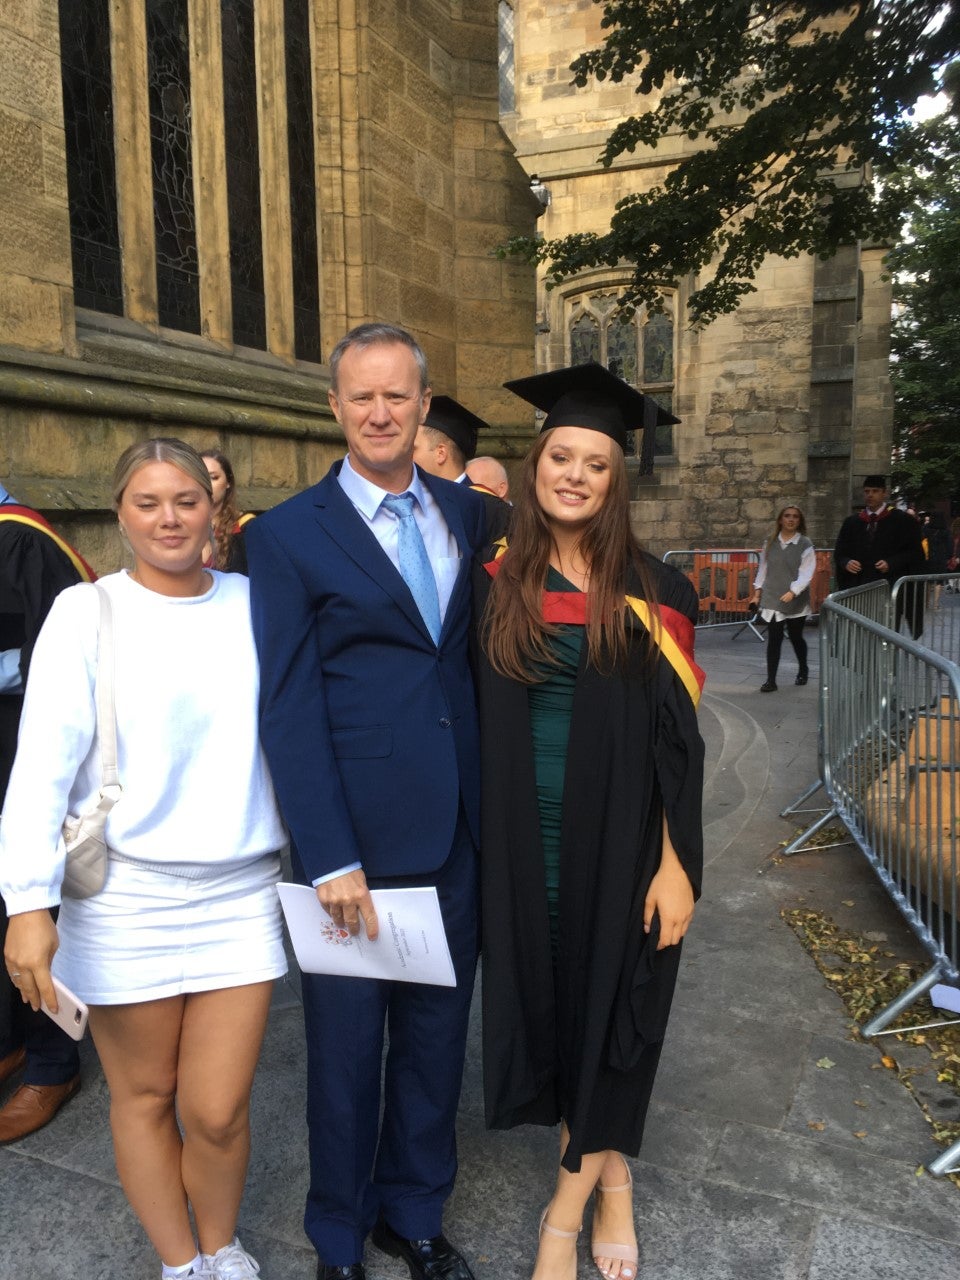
(723, 578)
(872, 600)
(940, 612)
(890, 766)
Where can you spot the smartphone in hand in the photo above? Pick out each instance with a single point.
(71, 1015)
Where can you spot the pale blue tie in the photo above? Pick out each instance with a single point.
(414, 562)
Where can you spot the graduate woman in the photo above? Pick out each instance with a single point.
(177, 954)
(591, 833)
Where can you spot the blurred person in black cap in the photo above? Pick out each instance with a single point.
(445, 443)
(35, 566)
(882, 543)
(490, 474)
(591, 833)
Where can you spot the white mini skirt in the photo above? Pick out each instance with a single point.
(151, 933)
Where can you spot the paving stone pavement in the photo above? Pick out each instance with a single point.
(732, 1183)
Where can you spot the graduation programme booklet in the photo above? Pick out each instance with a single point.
(412, 946)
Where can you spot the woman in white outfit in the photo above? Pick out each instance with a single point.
(788, 562)
(177, 954)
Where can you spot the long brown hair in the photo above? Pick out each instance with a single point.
(515, 636)
(225, 520)
(778, 527)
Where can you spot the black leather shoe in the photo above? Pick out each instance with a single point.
(768, 686)
(434, 1259)
(355, 1271)
(801, 678)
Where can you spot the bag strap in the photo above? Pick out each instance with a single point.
(106, 704)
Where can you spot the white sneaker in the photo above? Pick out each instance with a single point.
(232, 1262)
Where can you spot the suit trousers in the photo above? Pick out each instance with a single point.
(404, 1166)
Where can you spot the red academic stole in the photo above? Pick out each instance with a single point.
(33, 520)
(674, 635)
(872, 518)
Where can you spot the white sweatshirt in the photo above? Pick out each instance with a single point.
(196, 788)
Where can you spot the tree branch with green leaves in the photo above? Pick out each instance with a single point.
(801, 116)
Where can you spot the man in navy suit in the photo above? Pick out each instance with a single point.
(369, 723)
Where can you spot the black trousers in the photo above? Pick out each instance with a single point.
(794, 630)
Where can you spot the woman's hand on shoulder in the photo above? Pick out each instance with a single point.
(670, 896)
(31, 944)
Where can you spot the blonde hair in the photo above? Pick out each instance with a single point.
(160, 449)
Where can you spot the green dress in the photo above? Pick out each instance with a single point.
(551, 704)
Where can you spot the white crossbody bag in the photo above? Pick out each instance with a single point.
(85, 870)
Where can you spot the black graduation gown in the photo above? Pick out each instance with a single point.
(33, 572)
(497, 513)
(897, 540)
(582, 1042)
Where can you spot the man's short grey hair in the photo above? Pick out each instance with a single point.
(373, 335)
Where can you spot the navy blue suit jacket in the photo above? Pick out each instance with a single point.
(369, 727)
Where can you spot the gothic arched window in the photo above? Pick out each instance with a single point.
(637, 348)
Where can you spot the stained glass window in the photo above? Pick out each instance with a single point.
(164, 174)
(243, 173)
(303, 199)
(584, 339)
(658, 349)
(505, 60)
(91, 171)
(168, 73)
(638, 349)
(622, 349)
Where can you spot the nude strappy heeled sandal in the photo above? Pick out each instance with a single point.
(555, 1231)
(620, 1252)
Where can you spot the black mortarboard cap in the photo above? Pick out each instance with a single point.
(588, 395)
(874, 481)
(450, 417)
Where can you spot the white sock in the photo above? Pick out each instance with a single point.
(208, 1258)
(177, 1273)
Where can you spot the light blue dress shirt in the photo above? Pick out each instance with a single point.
(441, 545)
(10, 678)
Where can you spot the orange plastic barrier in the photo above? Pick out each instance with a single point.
(724, 583)
(822, 579)
(723, 580)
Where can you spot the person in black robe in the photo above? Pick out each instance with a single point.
(591, 832)
(35, 566)
(445, 443)
(883, 543)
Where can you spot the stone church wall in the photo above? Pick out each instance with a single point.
(416, 184)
